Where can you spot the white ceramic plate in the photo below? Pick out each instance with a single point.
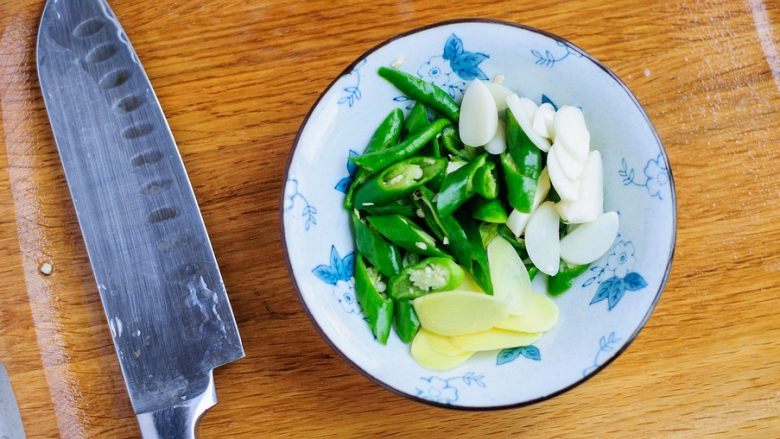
(609, 304)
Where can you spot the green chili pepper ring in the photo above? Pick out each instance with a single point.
(398, 181)
(427, 276)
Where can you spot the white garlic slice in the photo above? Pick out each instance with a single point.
(590, 201)
(478, 115)
(542, 239)
(524, 110)
(589, 241)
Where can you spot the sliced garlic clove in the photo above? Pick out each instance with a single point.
(567, 188)
(571, 166)
(571, 131)
(590, 201)
(542, 239)
(524, 110)
(478, 115)
(518, 220)
(497, 144)
(544, 121)
(589, 241)
(499, 93)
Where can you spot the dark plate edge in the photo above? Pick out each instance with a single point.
(609, 72)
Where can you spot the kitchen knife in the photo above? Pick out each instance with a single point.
(166, 305)
(10, 419)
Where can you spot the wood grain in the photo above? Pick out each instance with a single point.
(236, 78)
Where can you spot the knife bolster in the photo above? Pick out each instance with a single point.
(180, 420)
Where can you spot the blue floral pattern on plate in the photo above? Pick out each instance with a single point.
(547, 100)
(351, 93)
(549, 59)
(292, 196)
(451, 69)
(615, 277)
(339, 275)
(606, 344)
(509, 355)
(445, 390)
(343, 184)
(656, 176)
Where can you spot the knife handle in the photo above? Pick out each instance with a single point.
(179, 421)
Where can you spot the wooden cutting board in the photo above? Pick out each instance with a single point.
(236, 78)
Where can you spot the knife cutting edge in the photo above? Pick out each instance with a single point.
(162, 292)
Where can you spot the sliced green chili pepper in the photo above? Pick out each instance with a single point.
(523, 151)
(561, 282)
(451, 143)
(426, 209)
(564, 229)
(376, 306)
(435, 151)
(410, 258)
(467, 248)
(422, 91)
(416, 121)
(521, 189)
(427, 276)
(458, 186)
(405, 234)
(517, 243)
(479, 268)
(380, 253)
(406, 322)
(485, 181)
(398, 181)
(378, 160)
(436, 148)
(387, 134)
(553, 195)
(400, 207)
(456, 240)
(488, 232)
(490, 211)
(522, 165)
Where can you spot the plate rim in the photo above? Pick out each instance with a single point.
(460, 407)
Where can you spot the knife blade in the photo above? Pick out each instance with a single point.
(10, 418)
(163, 295)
